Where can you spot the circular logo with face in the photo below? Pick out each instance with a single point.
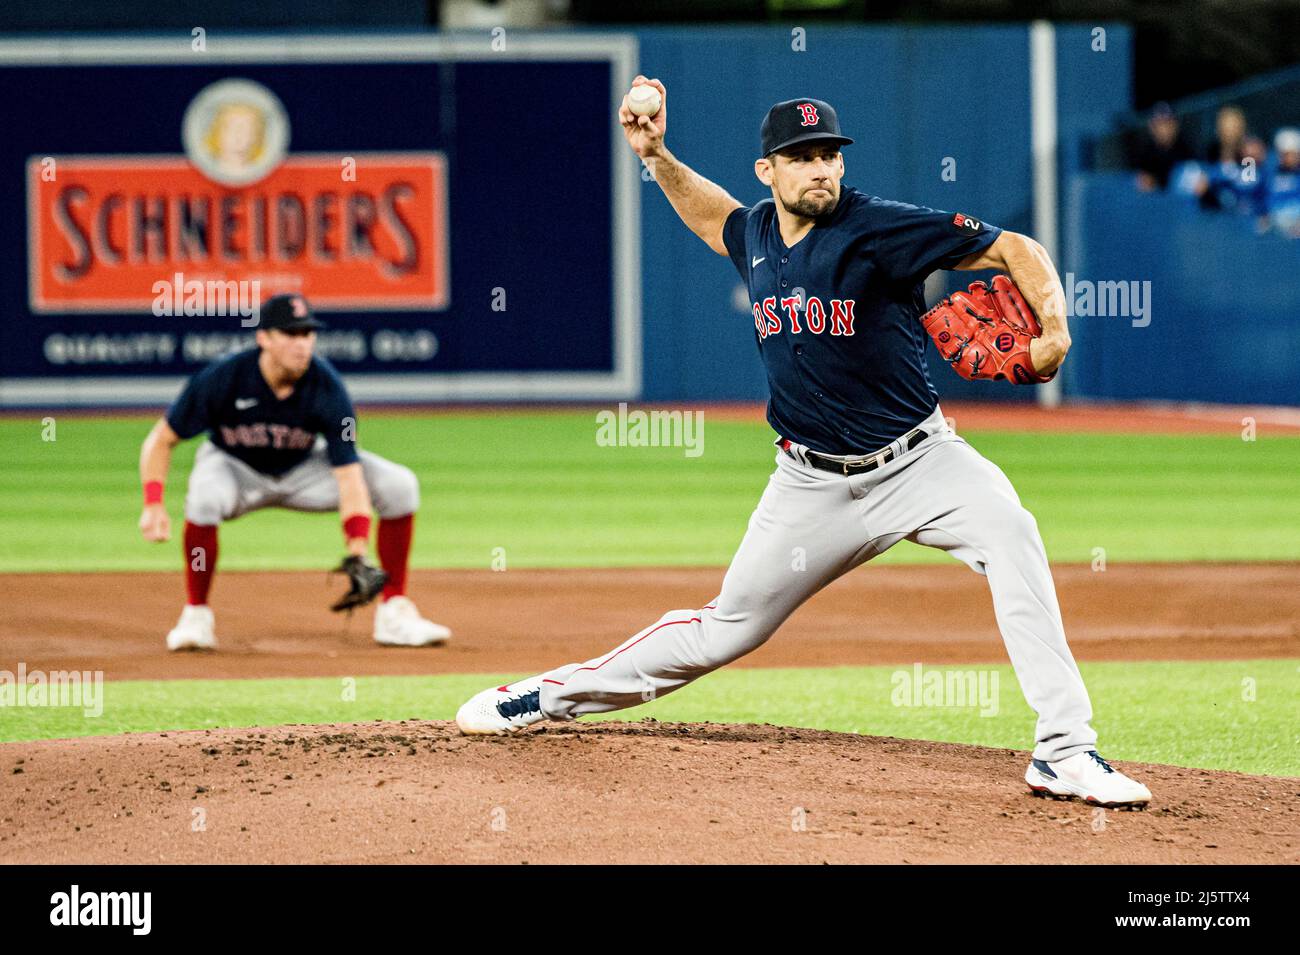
(236, 132)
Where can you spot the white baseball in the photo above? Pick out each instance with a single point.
(644, 100)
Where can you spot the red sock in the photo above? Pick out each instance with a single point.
(200, 560)
(394, 545)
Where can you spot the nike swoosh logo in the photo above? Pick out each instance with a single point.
(243, 404)
(754, 264)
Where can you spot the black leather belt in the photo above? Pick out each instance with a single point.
(861, 465)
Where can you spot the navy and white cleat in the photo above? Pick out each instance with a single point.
(502, 709)
(1088, 777)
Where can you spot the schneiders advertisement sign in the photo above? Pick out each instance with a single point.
(362, 231)
(325, 165)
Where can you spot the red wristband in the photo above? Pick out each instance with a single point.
(153, 492)
(358, 525)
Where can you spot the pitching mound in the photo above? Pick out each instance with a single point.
(623, 793)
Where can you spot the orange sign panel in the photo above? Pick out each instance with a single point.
(361, 232)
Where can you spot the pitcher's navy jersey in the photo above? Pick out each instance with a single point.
(232, 402)
(836, 317)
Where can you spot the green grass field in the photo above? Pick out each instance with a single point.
(558, 499)
(1185, 714)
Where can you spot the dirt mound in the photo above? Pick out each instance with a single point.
(622, 793)
(277, 624)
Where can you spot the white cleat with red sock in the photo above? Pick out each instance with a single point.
(399, 624)
(194, 631)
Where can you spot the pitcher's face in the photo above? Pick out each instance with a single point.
(804, 178)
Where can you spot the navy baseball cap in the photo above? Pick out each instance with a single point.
(289, 313)
(800, 121)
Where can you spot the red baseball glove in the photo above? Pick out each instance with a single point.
(985, 333)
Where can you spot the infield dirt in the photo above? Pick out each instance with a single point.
(644, 792)
(524, 621)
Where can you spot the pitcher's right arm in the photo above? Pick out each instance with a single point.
(701, 204)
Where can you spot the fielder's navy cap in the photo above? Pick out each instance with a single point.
(800, 121)
(289, 313)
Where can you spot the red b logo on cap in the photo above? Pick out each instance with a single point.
(809, 114)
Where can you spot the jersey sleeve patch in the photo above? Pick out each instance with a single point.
(910, 242)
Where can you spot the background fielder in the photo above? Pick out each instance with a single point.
(282, 433)
(866, 458)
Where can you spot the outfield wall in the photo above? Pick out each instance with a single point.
(911, 97)
(1177, 304)
(541, 263)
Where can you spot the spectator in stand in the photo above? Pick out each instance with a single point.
(1229, 142)
(1232, 179)
(1159, 148)
(1282, 183)
(1254, 162)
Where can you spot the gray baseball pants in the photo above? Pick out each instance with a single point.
(222, 487)
(812, 526)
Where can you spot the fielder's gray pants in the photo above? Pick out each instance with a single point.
(812, 526)
(222, 487)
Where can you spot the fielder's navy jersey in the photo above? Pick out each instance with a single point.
(836, 316)
(231, 401)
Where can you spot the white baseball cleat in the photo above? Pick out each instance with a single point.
(399, 624)
(194, 631)
(1088, 777)
(502, 709)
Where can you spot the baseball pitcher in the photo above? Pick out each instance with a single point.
(282, 433)
(864, 457)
